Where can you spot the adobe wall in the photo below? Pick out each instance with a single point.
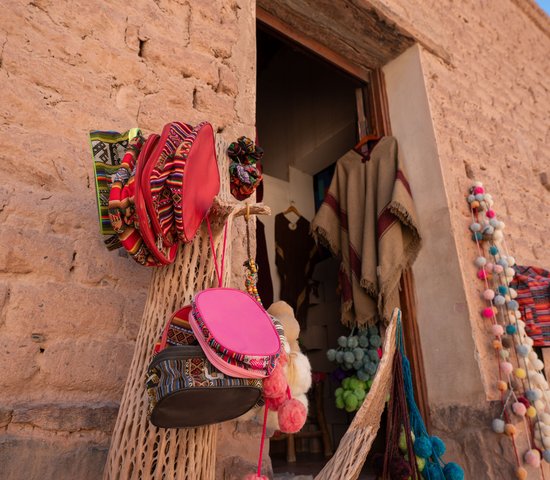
(68, 67)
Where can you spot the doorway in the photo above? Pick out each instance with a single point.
(309, 114)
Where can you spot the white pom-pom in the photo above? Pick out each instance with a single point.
(510, 272)
(539, 405)
(546, 441)
(478, 184)
(538, 365)
(545, 428)
(498, 236)
(511, 261)
(532, 355)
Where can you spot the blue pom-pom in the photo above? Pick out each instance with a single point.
(499, 300)
(477, 236)
(502, 262)
(433, 471)
(475, 227)
(502, 289)
(546, 456)
(438, 446)
(513, 305)
(523, 351)
(493, 250)
(511, 329)
(423, 447)
(452, 471)
(480, 197)
(530, 394)
(494, 223)
(471, 198)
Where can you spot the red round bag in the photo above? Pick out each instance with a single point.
(180, 180)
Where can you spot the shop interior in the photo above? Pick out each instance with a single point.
(307, 118)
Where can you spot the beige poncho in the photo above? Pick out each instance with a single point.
(368, 219)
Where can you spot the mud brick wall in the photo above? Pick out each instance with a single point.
(67, 68)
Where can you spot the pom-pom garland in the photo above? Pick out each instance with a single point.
(423, 447)
(495, 271)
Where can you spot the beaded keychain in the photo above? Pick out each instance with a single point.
(251, 279)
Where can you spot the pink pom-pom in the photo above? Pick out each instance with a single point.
(478, 190)
(498, 269)
(481, 274)
(487, 312)
(519, 409)
(488, 294)
(532, 457)
(275, 385)
(497, 330)
(506, 367)
(253, 476)
(292, 416)
(490, 214)
(489, 267)
(275, 403)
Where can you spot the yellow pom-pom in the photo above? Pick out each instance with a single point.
(520, 373)
(531, 412)
(502, 386)
(510, 430)
(521, 473)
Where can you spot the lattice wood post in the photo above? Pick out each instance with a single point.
(138, 449)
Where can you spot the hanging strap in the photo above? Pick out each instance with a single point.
(219, 269)
(266, 410)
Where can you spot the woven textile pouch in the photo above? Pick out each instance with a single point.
(122, 212)
(186, 390)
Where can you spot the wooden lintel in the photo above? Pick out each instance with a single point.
(311, 44)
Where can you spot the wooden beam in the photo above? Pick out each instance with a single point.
(312, 45)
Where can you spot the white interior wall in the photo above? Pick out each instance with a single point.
(452, 372)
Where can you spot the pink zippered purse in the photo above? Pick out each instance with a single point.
(235, 332)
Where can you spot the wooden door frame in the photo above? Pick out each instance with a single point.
(376, 102)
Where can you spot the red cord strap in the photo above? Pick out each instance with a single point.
(219, 270)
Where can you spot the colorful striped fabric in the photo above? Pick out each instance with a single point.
(108, 149)
(533, 287)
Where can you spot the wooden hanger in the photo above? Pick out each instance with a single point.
(292, 209)
(365, 139)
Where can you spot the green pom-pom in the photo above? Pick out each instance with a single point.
(369, 383)
(373, 355)
(363, 341)
(359, 393)
(331, 355)
(371, 368)
(339, 392)
(349, 357)
(420, 463)
(343, 341)
(345, 383)
(353, 342)
(339, 357)
(375, 341)
(351, 402)
(339, 403)
(362, 384)
(353, 383)
(359, 353)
